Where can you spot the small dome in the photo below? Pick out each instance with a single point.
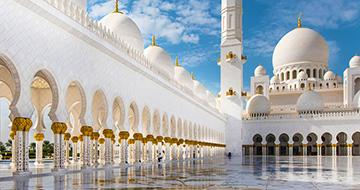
(302, 76)
(258, 104)
(301, 46)
(329, 76)
(356, 100)
(310, 101)
(354, 61)
(159, 57)
(125, 29)
(275, 80)
(259, 71)
(183, 77)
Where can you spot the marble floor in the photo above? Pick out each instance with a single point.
(220, 173)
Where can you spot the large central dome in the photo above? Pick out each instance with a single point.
(301, 46)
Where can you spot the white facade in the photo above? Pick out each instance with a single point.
(101, 86)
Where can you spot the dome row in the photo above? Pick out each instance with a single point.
(309, 101)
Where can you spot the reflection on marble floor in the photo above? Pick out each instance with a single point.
(221, 173)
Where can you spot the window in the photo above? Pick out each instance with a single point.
(288, 75)
(302, 86)
(320, 73)
(282, 76)
(357, 85)
(314, 73)
(294, 74)
(259, 89)
(308, 72)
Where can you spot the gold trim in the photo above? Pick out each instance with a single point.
(21, 124)
(74, 139)
(108, 133)
(39, 137)
(58, 128)
(101, 140)
(124, 135)
(138, 136)
(67, 136)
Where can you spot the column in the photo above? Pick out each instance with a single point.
(304, 149)
(81, 139)
(264, 150)
(22, 126)
(180, 149)
(138, 143)
(39, 138)
(96, 136)
(112, 149)
(349, 149)
(277, 150)
(318, 149)
(102, 150)
(131, 150)
(67, 137)
(174, 142)
(108, 133)
(13, 149)
(86, 145)
(150, 142)
(75, 140)
(167, 148)
(124, 135)
(291, 148)
(159, 140)
(59, 130)
(333, 149)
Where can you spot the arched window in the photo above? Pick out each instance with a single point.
(259, 89)
(294, 74)
(314, 73)
(320, 73)
(302, 86)
(320, 85)
(357, 85)
(288, 75)
(334, 85)
(308, 72)
(327, 85)
(282, 77)
(283, 88)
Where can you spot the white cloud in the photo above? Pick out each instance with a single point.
(191, 38)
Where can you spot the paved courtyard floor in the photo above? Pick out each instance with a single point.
(220, 173)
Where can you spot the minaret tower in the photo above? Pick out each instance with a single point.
(231, 66)
(232, 58)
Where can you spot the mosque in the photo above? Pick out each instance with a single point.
(112, 101)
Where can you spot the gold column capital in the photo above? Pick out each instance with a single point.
(138, 136)
(124, 135)
(86, 131)
(67, 136)
(108, 133)
(21, 124)
(12, 135)
(58, 127)
(95, 135)
(167, 139)
(39, 137)
(74, 139)
(159, 138)
(101, 140)
(131, 141)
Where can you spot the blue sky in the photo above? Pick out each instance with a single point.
(191, 30)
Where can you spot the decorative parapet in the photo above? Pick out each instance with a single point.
(231, 92)
(68, 8)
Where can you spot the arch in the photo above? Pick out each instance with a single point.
(10, 77)
(302, 86)
(99, 110)
(294, 74)
(146, 121)
(282, 77)
(133, 118)
(76, 106)
(356, 144)
(287, 75)
(119, 114)
(284, 144)
(259, 89)
(179, 128)
(326, 147)
(308, 72)
(320, 73)
(314, 73)
(156, 123)
(257, 147)
(341, 147)
(172, 127)
(270, 144)
(356, 85)
(165, 125)
(46, 85)
(298, 145)
(311, 145)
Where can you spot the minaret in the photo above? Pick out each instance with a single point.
(232, 58)
(231, 66)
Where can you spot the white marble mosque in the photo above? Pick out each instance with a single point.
(112, 108)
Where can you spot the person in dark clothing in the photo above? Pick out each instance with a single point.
(229, 155)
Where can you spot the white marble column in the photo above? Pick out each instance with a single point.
(39, 138)
(349, 149)
(86, 146)
(159, 140)
(102, 150)
(333, 150)
(108, 133)
(59, 130)
(67, 137)
(304, 149)
(75, 140)
(13, 149)
(22, 127)
(167, 148)
(124, 135)
(81, 144)
(138, 144)
(149, 147)
(96, 137)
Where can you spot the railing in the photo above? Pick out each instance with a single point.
(300, 90)
(353, 114)
(80, 16)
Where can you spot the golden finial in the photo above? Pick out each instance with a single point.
(153, 40)
(299, 20)
(193, 76)
(177, 61)
(116, 6)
